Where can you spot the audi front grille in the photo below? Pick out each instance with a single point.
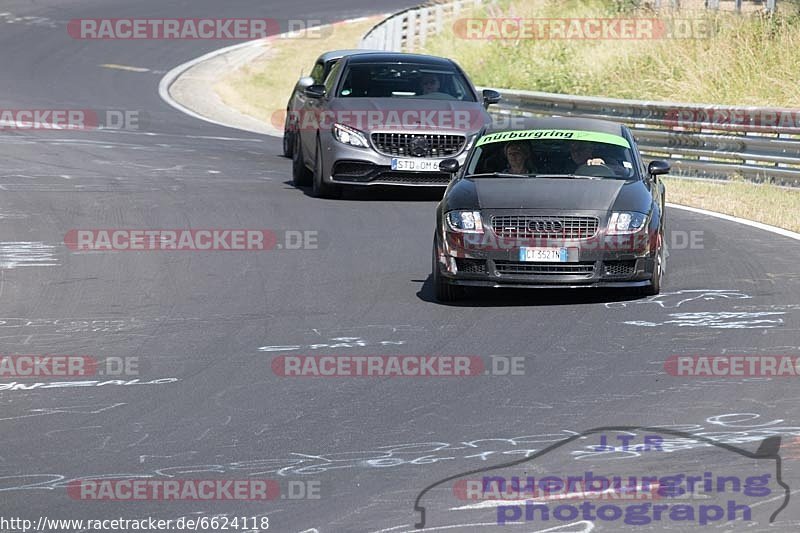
(584, 269)
(620, 268)
(544, 227)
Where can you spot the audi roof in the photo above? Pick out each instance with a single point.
(398, 57)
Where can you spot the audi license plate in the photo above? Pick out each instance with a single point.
(416, 165)
(543, 255)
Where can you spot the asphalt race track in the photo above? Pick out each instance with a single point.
(206, 326)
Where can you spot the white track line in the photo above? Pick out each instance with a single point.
(170, 77)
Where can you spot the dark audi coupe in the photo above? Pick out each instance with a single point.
(554, 202)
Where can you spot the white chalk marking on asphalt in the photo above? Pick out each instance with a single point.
(203, 137)
(488, 504)
(16, 254)
(27, 125)
(124, 67)
(585, 524)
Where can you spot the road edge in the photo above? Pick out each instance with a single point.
(229, 59)
(744, 221)
(232, 116)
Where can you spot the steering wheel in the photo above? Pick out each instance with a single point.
(601, 171)
(439, 96)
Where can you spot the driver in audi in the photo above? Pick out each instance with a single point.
(582, 154)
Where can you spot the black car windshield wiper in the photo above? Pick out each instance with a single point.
(567, 176)
(500, 175)
(512, 175)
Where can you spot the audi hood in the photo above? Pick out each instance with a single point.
(566, 194)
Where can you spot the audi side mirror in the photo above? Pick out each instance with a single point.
(490, 97)
(657, 168)
(450, 166)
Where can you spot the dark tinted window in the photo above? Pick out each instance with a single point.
(404, 80)
(586, 158)
(330, 79)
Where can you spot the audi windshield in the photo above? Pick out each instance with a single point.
(553, 153)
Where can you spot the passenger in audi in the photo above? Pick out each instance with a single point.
(518, 156)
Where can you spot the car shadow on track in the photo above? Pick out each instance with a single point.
(377, 193)
(490, 297)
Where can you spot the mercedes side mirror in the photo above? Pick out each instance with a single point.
(304, 82)
(657, 168)
(490, 97)
(315, 91)
(450, 166)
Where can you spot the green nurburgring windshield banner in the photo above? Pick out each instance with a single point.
(571, 135)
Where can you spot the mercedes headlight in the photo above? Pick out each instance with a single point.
(347, 135)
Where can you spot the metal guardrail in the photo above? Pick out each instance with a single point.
(769, 5)
(408, 30)
(760, 144)
(738, 5)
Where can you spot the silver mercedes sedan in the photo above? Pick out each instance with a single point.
(386, 119)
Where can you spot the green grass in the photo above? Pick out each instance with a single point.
(769, 204)
(750, 59)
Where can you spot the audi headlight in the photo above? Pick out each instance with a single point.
(626, 222)
(347, 135)
(464, 221)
